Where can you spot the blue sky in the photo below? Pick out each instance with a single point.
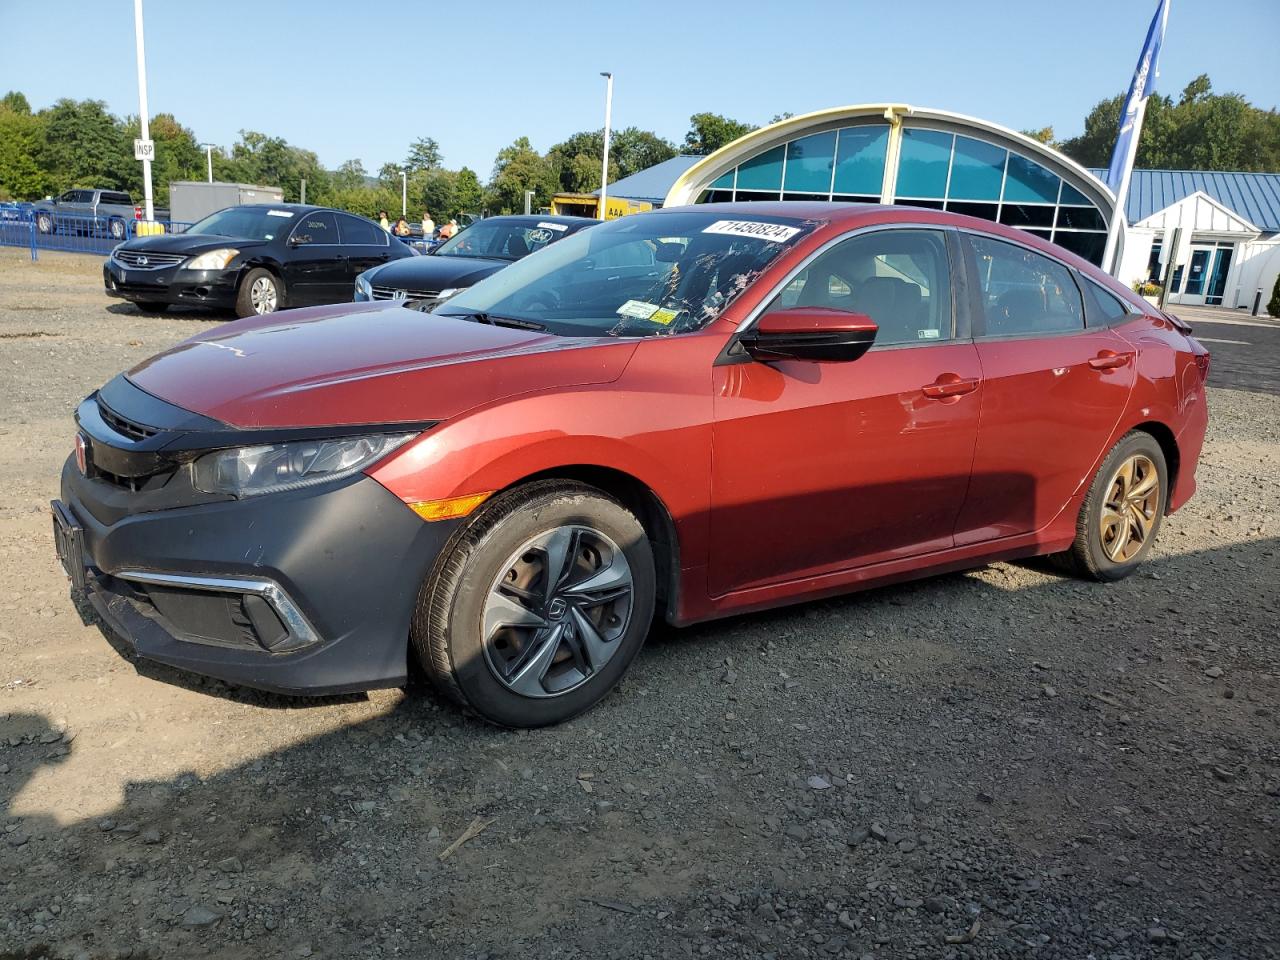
(363, 80)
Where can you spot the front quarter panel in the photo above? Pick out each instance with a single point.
(653, 423)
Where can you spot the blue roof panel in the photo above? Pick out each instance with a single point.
(1253, 196)
(654, 183)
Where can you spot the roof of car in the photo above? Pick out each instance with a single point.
(543, 218)
(795, 209)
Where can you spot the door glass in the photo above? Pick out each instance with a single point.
(899, 278)
(316, 228)
(1198, 272)
(1218, 279)
(363, 232)
(1023, 291)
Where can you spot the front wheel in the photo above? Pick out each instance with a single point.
(261, 292)
(1121, 514)
(539, 605)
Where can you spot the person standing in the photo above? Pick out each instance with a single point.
(383, 221)
(428, 225)
(449, 229)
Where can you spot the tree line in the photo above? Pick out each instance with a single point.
(79, 143)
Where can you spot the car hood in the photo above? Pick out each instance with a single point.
(367, 363)
(190, 244)
(434, 273)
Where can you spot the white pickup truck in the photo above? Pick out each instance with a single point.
(97, 213)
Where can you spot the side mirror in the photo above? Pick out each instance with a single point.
(810, 333)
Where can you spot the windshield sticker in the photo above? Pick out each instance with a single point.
(773, 232)
(279, 213)
(539, 236)
(553, 226)
(663, 316)
(637, 309)
(928, 334)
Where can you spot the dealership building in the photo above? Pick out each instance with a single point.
(910, 156)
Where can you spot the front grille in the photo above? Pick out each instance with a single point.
(399, 293)
(146, 260)
(126, 428)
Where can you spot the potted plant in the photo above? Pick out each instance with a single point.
(1149, 290)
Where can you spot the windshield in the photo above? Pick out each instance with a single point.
(250, 223)
(642, 275)
(502, 239)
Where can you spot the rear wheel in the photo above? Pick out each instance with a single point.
(117, 229)
(261, 292)
(150, 307)
(1121, 514)
(44, 223)
(539, 605)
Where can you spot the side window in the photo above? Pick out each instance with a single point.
(316, 228)
(1104, 307)
(901, 279)
(1023, 292)
(363, 232)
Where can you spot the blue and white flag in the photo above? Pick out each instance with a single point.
(1144, 82)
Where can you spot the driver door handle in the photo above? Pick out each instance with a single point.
(1110, 360)
(950, 385)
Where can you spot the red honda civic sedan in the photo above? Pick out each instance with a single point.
(688, 413)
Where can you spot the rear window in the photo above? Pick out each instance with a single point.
(120, 198)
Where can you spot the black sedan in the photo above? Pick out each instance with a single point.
(256, 259)
(483, 248)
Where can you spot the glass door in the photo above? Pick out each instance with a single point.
(1189, 283)
(1218, 276)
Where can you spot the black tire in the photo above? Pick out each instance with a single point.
(150, 307)
(244, 298)
(447, 634)
(117, 229)
(1089, 556)
(44, 223)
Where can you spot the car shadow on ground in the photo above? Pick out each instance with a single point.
(676, 788)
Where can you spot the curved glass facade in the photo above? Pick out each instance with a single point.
(937, 168)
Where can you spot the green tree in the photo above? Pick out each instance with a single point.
(632, 150)
(272, 162)
(349, 176)
(1273, 305)
(516, 169)
(469, 195)
(708, 132)
(178, 156)
(1043, 135)
(21, 134)
(424, 154)
(84, 145)
(1201, 131)
(575, 162)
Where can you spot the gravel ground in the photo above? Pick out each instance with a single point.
(1002, 763)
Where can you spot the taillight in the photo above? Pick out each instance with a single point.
(1202, 364)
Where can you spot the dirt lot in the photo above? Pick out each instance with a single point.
(1003, 763)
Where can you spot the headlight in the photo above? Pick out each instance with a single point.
(274, 467)
(364, 290)
(213, 260)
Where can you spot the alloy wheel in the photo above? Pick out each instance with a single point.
(1130, 509)
(557, 611)
(263, 296)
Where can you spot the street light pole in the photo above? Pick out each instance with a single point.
(142, 104)
(404, 193)
(604, 166)
(208, 152)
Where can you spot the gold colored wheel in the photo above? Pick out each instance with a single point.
(1131, 508)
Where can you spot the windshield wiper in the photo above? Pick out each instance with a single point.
(514, 322)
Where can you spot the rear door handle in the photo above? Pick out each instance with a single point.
(950, 385)
(1110, 360)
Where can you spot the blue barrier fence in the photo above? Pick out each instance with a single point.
(98, 235)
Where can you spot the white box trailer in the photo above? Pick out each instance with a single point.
(192, 200)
